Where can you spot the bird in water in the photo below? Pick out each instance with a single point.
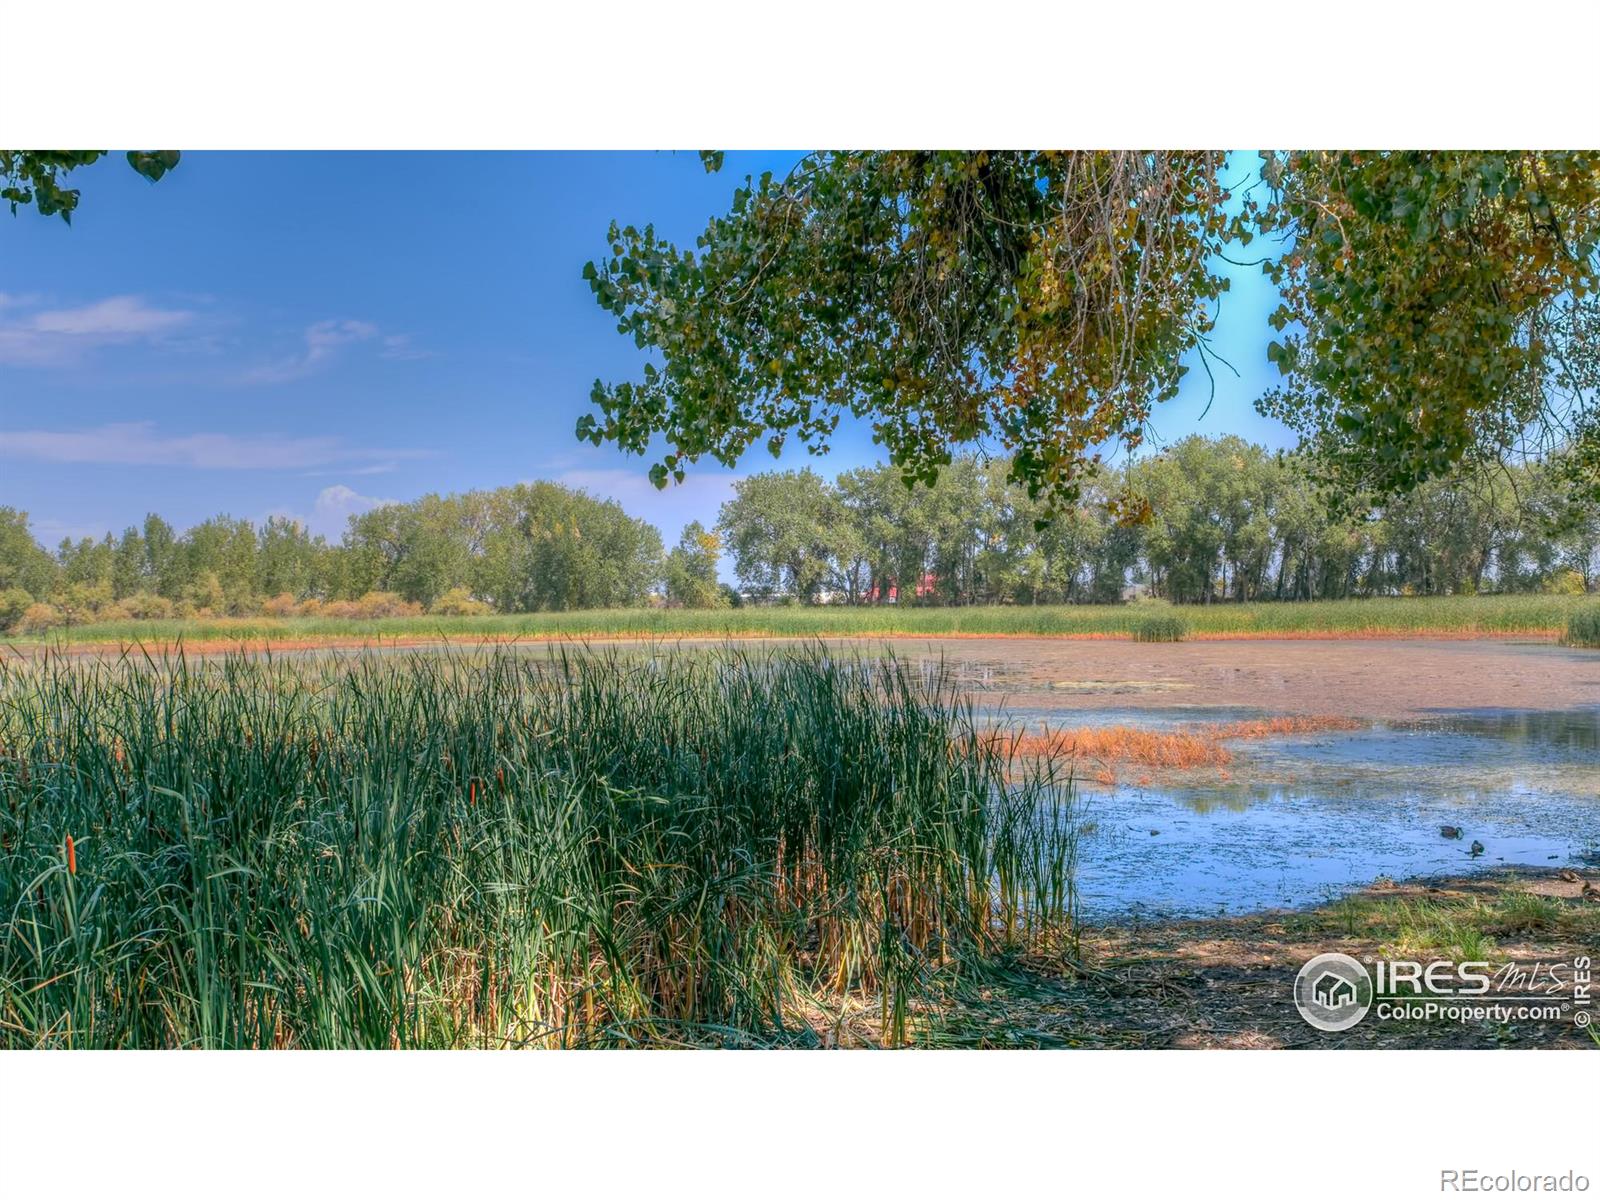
(1475, 849)
(1450, 831)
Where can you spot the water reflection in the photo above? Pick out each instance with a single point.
(1299, 819)
(1577, 731)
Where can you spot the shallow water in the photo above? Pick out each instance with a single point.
(1299, 820)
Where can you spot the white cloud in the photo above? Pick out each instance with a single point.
(340, 500)
(139, 444)
(119, 316)
(324, 341)
(331, 511)
(62, 336)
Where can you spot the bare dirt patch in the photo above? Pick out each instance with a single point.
(1338, 677)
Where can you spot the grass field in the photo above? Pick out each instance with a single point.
(486, 850)
(1443, 615)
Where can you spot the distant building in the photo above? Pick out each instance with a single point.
(928, 585)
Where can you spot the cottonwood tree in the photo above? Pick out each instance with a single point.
(1441, 308)
(780, 528)
(1041, 298)
(691, 569)
(24, 564)
(1437, 306)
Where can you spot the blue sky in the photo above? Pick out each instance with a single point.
(313, 334)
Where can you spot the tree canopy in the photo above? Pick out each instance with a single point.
(34, 177)
(1230, 520)
(1436, 305)
(1442, 308)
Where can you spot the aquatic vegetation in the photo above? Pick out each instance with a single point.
(1122, 743)
(508, 850)
(1583, 627)
(1201, 745)
(1160, 629)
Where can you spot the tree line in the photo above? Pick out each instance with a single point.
(1218, 519)
(1215, 519)
(525, 548)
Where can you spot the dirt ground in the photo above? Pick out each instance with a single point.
(1226, 983)
(1372, 679)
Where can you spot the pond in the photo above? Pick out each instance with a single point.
(1297, 820)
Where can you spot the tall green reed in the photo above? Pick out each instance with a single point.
(1583, 627)
(504, 849)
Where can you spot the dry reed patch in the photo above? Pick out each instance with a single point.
(1283, 727)
(1173, 750)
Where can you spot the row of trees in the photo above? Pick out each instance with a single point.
(1226, 520)
(516, 549)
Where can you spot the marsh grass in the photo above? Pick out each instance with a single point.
(1583, 628)
(1461, 615)
(1160, 629)
(497, 849)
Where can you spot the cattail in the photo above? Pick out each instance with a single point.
(472, 792)
(72, 857)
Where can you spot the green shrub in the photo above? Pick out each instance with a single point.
(1565, 583)
(386, 604)
(281, 605)
(1583, 628)
(146, 606)
(37, 618)
(1160, 629)
(13, 603)
(81, 601)
(458, 602)
(371, 607)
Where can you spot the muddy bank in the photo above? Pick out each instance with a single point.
(1227, 983)
(1363, 679)
(1367, 677)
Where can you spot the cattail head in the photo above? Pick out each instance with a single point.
(472, 792)
(72, 857)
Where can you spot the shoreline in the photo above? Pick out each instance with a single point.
(340, 641)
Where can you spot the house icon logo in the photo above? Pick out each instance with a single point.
(1333, 992)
